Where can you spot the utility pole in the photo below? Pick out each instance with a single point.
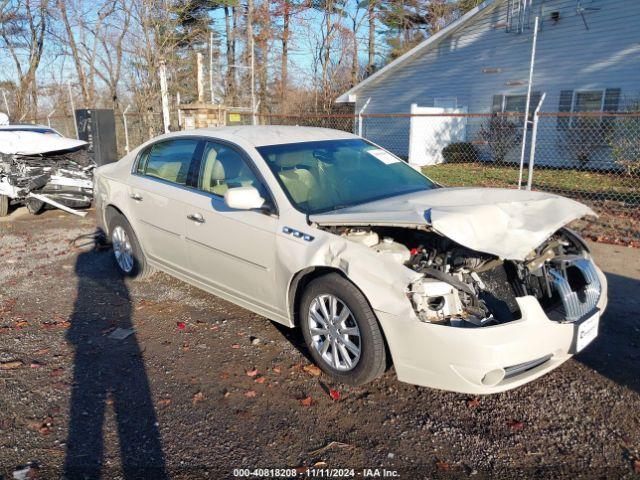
(200, 77)
(165, 96)
(73, 109)
(211, 67)
(526, 107)
(253, 84)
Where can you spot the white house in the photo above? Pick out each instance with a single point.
(587, 59)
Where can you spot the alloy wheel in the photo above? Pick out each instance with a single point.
(122, 249)
(334, 332)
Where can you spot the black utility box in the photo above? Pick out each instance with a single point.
(97, 126)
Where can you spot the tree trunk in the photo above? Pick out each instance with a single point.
(249, 47)
(229, 23)
(82, 79)
(286, 13)
(355, 64)
(372, 38)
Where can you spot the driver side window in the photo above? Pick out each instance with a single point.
(222, 168)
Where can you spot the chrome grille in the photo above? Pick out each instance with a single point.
(581, 302)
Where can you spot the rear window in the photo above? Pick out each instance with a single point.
(169, 160)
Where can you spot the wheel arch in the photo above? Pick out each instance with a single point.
(302, 278)
(298, 283)
(110, 212)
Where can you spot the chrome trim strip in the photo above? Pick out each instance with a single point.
(514, 370)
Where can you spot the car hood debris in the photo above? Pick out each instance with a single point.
(34, 143)
(503, 222)
(44, 167)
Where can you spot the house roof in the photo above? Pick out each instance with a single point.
(345, 97)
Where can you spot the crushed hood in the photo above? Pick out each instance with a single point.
(34, 143)
(503, 222)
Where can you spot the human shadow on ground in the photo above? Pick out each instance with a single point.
(108, 373)
(615, 353)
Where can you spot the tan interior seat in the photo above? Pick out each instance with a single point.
(300, 182)
(208, 179)
(222, 167)
(169, 171)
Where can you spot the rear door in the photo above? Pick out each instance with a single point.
(164, 172)
(231, 250)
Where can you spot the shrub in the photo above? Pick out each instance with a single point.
(500, 134)
(624, 141)
(460, 152)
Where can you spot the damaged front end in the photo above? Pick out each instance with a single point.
(461, 287)
(61, 178)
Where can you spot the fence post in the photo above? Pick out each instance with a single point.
(73, 109)
(126, 129)
(534, 136)
(49, 117)
(526, 108)
(366, 104)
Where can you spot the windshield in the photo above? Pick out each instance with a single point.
(332, 174)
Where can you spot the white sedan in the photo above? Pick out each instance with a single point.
(467, 289)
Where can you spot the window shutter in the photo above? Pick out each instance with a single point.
(566, 97)
(611, 99)
(496, 105)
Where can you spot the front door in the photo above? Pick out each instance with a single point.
(231, 250)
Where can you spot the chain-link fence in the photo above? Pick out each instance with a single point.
(132, 128)
(591, 156)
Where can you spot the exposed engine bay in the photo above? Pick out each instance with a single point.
(465, 288)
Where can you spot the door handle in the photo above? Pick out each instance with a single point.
(136, 196)
(196, 217)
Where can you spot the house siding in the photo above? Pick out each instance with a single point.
(569, 57)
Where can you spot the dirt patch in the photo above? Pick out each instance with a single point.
(202, 387)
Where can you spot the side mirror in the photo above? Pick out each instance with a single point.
(243, 198)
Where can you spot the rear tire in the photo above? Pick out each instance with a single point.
(354, 333)
(4, 205)
(127, 254)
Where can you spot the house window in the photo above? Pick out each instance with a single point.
(586, 101)
(590, 101)
(515, 104)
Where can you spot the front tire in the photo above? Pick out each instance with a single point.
(341, 331)
(128, 256)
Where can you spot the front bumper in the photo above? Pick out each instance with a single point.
(459, 359)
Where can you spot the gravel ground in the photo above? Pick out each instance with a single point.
(203, 387)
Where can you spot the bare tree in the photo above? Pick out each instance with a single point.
(22, 30)
(111, 56)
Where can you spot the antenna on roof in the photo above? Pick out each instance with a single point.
(580, 10)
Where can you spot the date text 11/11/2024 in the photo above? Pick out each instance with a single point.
(313, 472)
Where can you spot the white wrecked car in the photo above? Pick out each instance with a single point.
(39, 166)
(467, 289)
